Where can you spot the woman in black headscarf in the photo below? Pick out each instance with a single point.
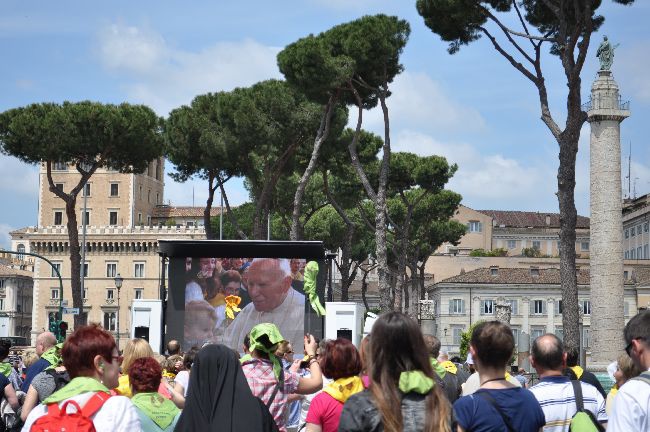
(219, 397)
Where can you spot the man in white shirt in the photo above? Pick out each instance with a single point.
(555, 392)
(631, 409)
(273, 300)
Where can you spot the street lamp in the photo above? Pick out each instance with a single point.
(118, 284)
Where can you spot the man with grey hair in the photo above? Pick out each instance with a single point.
(273, 300)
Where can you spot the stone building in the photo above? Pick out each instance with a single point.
(534, 294)
(16, 301)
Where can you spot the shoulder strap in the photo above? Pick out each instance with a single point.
(577, 391)
(645, 377)
(94, 403)
(279, 384)
(488, 397)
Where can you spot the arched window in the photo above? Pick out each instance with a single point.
(109, 321)
(21, 251)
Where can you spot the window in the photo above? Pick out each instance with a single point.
(85, 293)
(86, 190)
(85, 269)
(456, 334)
(516, 332)
(111, 270)
(58, 218)
(54, 293)
(474, 226)
(558, 307)
(632, 232)
(139, 218)
(138, 270)
(456, 306)
(627, 254)
(584, 246)
(487, 307)
(639, 253)
(534, 271)
(638, 229)
(110, 294)
(51, 317)
(512, 244)
(536, 332)
(559, 332)
(514, 306)
(586, 342)
(57, 266)
(109, 321)
(157, 198)
(59, 186)
(112, 217)
(2, 283)
(646, 226)
(538, 307)
(537, 244)
(626, 275)
(149, 196)
(85, 220)
(646, 252)
(140, 191)
(21, 251)
(60, 166)
(148, 220)
(138, 293)
(627, 233)
(585, 305)
(115, 189)
(189, 224)
(494, 271)
(633, 253)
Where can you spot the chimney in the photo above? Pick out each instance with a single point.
(494, 270)
(548, 220)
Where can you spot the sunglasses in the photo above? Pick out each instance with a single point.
(628, 348)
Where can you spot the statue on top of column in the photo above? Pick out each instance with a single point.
(605, 54)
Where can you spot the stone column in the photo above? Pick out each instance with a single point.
(606, 226)
(550, 313)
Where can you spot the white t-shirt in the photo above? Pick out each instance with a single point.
(183, 378)
(631, 408)
(117, 414)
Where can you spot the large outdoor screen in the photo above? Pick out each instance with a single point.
(266, 278)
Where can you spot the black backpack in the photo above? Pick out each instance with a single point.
(61, 379)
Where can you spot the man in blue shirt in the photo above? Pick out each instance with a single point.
(45, 344)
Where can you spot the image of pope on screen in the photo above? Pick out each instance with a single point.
(270, 290)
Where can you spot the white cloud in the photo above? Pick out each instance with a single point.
(5, 238)
(195, 192)
(17, 177)
(164, 77)
(491, 180)
(419, 102)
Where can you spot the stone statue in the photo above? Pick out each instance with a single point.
(605, 54)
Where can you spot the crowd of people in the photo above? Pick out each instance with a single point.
(398, 380)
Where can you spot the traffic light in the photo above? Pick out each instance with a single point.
(62, 330)
(54, 328)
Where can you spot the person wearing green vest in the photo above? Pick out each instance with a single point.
(156, 413)
(449, 380)
(46, 350)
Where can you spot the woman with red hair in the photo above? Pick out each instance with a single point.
(93, 363)
(156, 413)
(342, 363)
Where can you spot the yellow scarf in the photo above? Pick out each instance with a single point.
(343, 388)
(449, 366)
(577, 370)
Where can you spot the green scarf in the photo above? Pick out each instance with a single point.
(415, 381)
(245, 358)
(438, 368)
(272, 334)
(5, 369)
(53, 356)
(162, 411)
(311, 271)
(75, 387)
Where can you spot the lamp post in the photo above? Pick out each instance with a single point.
(118, 285)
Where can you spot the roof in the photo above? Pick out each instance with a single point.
(523, 219)
(185, 211)
(641, 275)
(8, 271)
(548, 276)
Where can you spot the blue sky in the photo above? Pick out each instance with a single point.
(472, 107)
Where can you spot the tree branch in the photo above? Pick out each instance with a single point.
(508, 57)
(522, 21)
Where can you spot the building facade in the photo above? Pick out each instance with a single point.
(534, 294)
(16, 302)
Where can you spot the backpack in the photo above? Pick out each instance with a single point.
(61, 379)
(583, 420)
(60, 420)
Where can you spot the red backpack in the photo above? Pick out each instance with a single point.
(60, 420)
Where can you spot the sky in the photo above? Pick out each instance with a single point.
(472, 107)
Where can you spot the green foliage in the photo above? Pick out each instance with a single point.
(459, 22)
(244, 215)
(531, 252)
(465, 339)
(498, 252)
(124, 137)
(367, 48)
(170, 222)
